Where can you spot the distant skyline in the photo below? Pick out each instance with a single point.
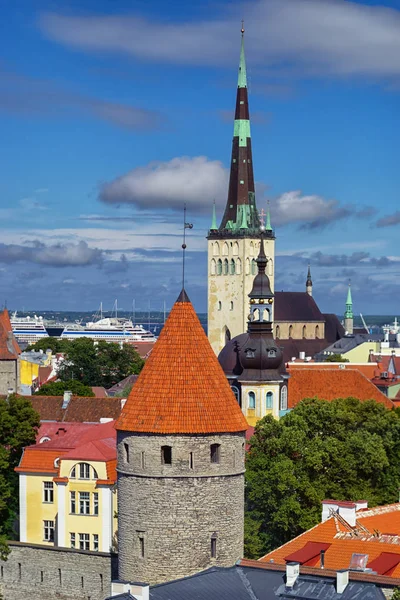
(113, 114)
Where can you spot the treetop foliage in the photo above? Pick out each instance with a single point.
(18, 427)
(57, 388)
(344, 449)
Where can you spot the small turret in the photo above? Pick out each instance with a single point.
(348, 314)
(309, 282)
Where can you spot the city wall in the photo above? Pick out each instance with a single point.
(48, 573)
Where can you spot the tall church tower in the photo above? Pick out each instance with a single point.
(181, 448)
(309, 282)
(348, 313)
(234, 245)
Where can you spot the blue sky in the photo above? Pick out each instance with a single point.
(113, 114)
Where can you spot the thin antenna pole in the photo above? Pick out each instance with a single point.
(185, 226)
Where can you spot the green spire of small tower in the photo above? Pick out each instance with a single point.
(268, 221)
(214, 225)
(243, 224)
(349, 305)
(242, 78)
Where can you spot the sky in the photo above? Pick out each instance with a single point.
(113, 114)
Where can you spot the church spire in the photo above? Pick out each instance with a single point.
(241, 203)
(348, 314)
(309, 281)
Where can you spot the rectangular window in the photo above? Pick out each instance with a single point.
(48, 531)
(141, 546)
(143, 460)
(166, 455)
(72, 502)
(95, 542)
(72, 540)
(84, 503)
(95, 503)
(84, 543)
(213, 547)
(48, 491)
(215, 453)
(191, 462)
(84, 471)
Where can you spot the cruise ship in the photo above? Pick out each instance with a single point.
(110, 329)
(28, 329)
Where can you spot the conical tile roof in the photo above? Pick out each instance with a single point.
(182, 388)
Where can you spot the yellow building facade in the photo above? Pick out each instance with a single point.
(68, 498)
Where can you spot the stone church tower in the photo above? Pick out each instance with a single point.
(348, 314)
(181, 446)
(234, 245)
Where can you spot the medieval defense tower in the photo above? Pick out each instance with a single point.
(234, 245)
(181, 446)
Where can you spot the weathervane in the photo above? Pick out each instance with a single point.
(185, 226)
(242, 30)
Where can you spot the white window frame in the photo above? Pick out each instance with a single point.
(48, 492)
(84, 541)
(84, 503)
(96, 542)
(72, 540)
(48, 531)
(72, 503)
(95, 503)
(251, 395)
(284, 398)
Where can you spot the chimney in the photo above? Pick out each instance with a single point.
(342, 579)
(322, 559)
(140, 591)
(302, 355)
(292, 573)
(66, 399)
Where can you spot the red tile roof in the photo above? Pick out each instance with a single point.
(377, 534)
(328, 384)
(182, 388)
(39, 459)
(370, 370)
(9, 349)
(80, 408)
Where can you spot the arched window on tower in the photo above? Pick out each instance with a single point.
(269, 399)
(216, 249)
(235, 249)
(283, 405)
(290, 331)
(247, 266)
(277, 332)
(270, 267)
(253, 267)
(225, 249)
(251, 400)
(238, 266)
(226, 267)
(304, 332)
(233, 266)
(317, 332)
(219, 267)
(236, 392)
(213, 266)
(231, 305)
(251, 249)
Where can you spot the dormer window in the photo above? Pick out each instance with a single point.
(250, 352)
(271, 353)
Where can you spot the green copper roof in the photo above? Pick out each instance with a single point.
(349, 305)
(242, 79)
(268, 221)
(214, 218)
(241, 130)
(243, 224)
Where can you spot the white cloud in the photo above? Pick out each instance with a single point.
(321, 37)
(311, 211)
(195, 181)
(56, 255)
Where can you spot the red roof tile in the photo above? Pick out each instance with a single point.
(328, 384)
(182, 388)
(9, 349)
(38, 459)
(310, 551)
(370, 370)
(383, 525)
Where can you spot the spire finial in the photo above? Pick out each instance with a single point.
(268, 223)
(185, 226)
(242, 29)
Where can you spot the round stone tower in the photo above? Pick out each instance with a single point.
(181, 445)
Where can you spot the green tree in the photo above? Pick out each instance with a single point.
(18, 428)
(57, 388)
(396, 594)
(50, 343)
(102, 364)
(336, 358)
(344, 449)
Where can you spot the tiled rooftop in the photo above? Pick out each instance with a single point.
(376, 534)
(328, 384)
(182, 388)
(9, 349)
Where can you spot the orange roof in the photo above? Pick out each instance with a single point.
(328, 384)
(9, 349)
(377, 533)
(182, 388)
(370, 370)
(39, 459)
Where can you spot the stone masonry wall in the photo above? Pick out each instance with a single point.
(48, 573)
(167, 514)
(9, 376)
